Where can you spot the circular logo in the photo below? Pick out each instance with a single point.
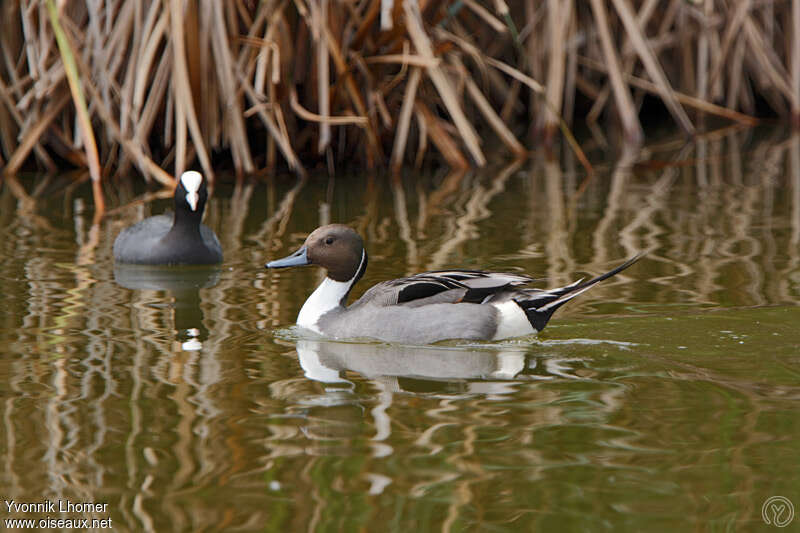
(777, 511)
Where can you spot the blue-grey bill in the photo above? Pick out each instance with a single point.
(299, 258)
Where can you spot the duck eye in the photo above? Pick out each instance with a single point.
(329, 240)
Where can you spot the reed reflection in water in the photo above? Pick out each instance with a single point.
(671, 386)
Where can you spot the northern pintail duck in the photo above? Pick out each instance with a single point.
(424, 308)
(177, 239)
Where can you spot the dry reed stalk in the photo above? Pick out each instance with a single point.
(422, 141)
(537, 88)
(84, 123)
(269, 57)
(323, 119)
(731, 31)
(404, 119)
(404, 60)
(559, 13)
(659, 42)
(652, 65)
(443, 141)
(795, 68)
(366, 24)
(491, 116)
(148, 110)
(685, 99)
(150, 39)
(487, 16)
(33, 134)
(239, 144)
(185, 114)
(342, 69)
(10, 139)
(422, 43)
(277, 131)
(386, 14)
(167, 83)
(628, 116)
(146, 164)
(702, 55)
(735, 88)
(323, 77)
(766, 57)
(571, 75)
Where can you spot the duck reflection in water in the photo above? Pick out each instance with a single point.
(403, 367)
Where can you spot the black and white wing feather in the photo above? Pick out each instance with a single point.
(443, 286)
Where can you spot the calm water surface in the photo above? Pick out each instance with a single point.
(664, 399)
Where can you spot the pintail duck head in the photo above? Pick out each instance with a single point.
(336, 248)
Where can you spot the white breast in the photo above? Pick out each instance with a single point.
(326, 297)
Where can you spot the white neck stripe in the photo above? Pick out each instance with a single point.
(360, 264)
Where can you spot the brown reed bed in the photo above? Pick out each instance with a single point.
(265, 85)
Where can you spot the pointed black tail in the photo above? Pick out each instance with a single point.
(542, 304)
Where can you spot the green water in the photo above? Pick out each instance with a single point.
(664, 399)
